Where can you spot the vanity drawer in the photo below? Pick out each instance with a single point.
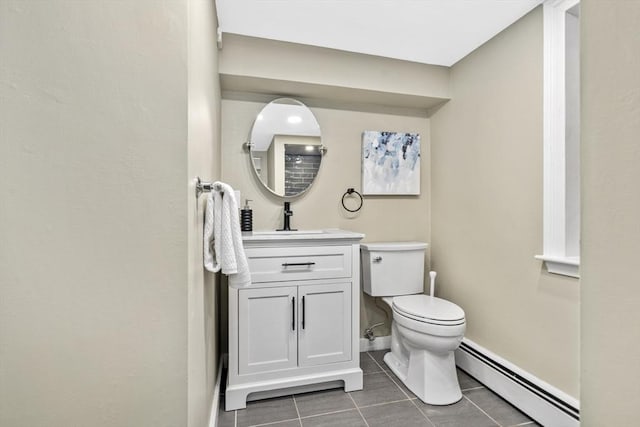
(298, 263)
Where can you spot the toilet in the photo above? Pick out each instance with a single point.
(425, 330)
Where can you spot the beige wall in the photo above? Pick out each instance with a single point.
(381, 218)
(203, 154)
(96, 311)
(486, 174)
(610, 211)
(337, 78)
(283, 61)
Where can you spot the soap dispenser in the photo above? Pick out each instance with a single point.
(246, 217)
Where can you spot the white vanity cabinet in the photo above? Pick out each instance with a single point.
(297, 324)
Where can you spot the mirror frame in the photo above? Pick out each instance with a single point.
(248, 146)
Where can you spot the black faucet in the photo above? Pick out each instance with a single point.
(287, 214)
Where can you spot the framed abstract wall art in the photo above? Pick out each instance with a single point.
(390, 163)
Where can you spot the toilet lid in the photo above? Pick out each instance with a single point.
(428, 308)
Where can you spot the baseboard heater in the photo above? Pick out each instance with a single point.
(539, 400)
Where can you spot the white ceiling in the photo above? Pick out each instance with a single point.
(439, 32)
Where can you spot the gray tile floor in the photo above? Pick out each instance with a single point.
(384, 402)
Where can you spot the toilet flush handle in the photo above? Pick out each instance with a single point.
(377, 259)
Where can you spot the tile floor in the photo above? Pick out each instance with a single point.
(384, 402)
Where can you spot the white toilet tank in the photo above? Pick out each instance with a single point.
(393, 268)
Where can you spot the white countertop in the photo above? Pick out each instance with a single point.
(300, 235)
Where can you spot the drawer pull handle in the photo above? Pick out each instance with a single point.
(303, 316)
(293, 313)
(297, 264)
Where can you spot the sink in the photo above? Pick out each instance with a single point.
(287, 233)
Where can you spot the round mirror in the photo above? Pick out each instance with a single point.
(285, 147)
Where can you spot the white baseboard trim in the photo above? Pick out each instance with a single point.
(380, 343)
(215, 405)
(539, 400)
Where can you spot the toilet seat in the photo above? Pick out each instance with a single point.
(427, 309)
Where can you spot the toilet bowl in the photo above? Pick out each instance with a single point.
(422, 349)
(425, 330)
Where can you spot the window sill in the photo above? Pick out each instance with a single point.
(566, 266)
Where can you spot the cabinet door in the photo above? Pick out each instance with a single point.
(267, 328)
(324, 327)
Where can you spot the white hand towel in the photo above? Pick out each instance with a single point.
(228, 252)
(212, 222)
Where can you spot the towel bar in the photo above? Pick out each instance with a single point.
(205, 187)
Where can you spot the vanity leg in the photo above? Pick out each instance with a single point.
(235, 399)
(353, 382)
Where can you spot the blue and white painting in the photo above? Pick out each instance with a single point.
(390, 163)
